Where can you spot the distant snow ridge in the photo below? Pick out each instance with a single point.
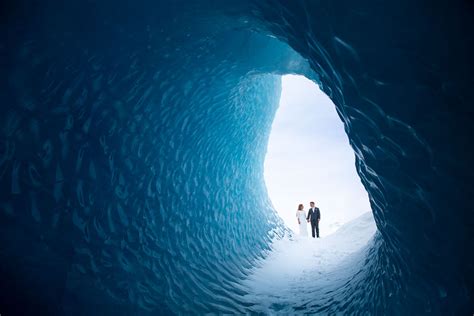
(302, 266)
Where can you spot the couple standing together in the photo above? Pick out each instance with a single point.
(314, 215)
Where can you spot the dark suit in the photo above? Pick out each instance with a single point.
(314, 215)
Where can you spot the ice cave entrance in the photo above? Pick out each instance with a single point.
(309, 159)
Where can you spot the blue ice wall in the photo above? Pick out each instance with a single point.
(133, 137)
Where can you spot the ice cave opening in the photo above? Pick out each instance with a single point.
(309, 158)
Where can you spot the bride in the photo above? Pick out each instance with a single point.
(301, 216)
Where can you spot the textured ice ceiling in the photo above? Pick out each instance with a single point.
(133, 136)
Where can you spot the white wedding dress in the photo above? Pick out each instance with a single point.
(302, 217)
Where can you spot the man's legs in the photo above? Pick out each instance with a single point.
(312, 228)
(317, 229)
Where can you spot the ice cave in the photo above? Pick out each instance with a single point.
(133, 138)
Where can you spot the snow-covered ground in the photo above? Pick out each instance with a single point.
(301, 263)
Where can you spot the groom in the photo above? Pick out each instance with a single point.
(314, 215)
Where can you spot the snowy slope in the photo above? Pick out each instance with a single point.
(293, 264)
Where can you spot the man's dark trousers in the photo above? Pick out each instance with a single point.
(315, 227)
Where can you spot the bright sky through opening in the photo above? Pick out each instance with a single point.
(309, 159)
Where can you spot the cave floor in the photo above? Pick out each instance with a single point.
(286, 278)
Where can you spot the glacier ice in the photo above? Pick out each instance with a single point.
(133, 138)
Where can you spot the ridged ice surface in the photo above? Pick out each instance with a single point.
(133, 137)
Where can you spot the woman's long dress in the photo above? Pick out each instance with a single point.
(302, 217)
